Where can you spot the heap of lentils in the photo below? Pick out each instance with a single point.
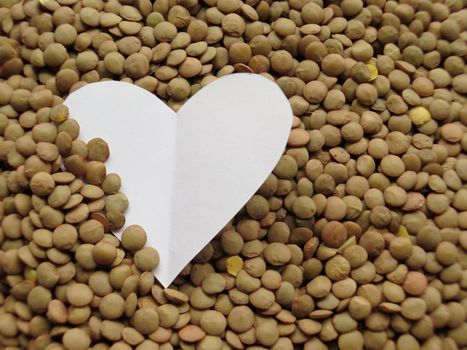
(358, 238)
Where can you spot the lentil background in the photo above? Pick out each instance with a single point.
(356, 240)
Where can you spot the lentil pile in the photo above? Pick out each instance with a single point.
(358, 238)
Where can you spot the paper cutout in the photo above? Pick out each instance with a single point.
(186, 174)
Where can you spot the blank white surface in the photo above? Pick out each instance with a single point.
(186, 176)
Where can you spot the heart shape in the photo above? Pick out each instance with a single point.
(186, 174)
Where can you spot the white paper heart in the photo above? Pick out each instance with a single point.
(186, 174)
